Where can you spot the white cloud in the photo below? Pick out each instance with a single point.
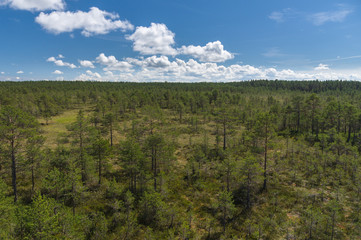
(104, 60)
(321, 18)
(86, 63)
(91, 23)
(57, 72)
(2, 72)
(109, 73)
(51, 59)
(212, 52)
(119, 66)
(17, 78)
(152, 62)
(61, 63)
(112, 64)
(322, 67)
(162, 69)
(156, 39)
(89, 76)
(60, 56)
(20, 72)
(95, 74)
(34, 5)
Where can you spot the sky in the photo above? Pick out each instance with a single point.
(180, 40)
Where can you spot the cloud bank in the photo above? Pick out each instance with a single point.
(161, 68)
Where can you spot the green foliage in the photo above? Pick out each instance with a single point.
(225, 208)
(153, 210)
(7, 213)
(243, 160)
(40, 220)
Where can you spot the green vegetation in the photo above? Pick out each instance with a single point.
(248, 160)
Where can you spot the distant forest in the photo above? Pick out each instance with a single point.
(119, 160)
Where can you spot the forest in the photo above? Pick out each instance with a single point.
(244, 160)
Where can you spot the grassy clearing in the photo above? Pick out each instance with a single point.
(57, 126)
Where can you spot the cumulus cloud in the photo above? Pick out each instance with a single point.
(61, 63)
(95, 74)
(90, 23)
(156, 39)
(152, 62)
(34, 5)
(2, 72)
(89, 76)
(162, 68)
(86, 63)
(321, 18)
(20, 72)
(322, 67)
(119, 66)
(193, 71)
(212, 52)
(104, 60)
(57, 72)
(112, 64)
(51, 59)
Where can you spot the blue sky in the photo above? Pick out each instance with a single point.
(179, 40)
